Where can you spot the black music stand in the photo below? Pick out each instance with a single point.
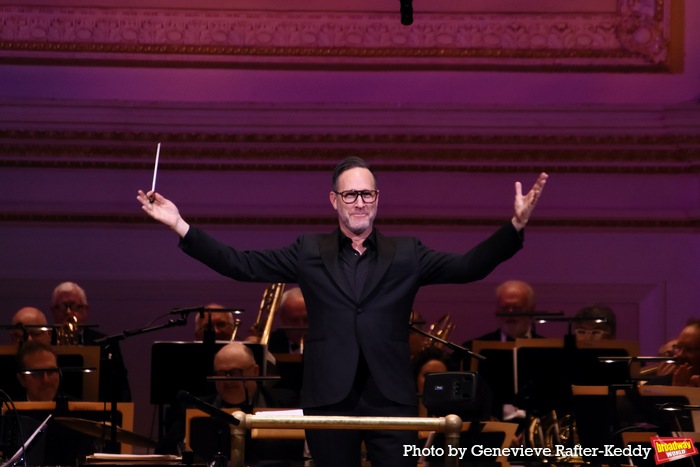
(497, 370)
(185, 366)
(545, 374)
(290, 368)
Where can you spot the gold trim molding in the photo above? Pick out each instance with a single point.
(635, 35)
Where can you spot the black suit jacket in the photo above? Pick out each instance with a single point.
(342, 325)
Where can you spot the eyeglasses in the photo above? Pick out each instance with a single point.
(74, 307)
(41, 372)
(595, 333)
(19, 335)
(350, 196)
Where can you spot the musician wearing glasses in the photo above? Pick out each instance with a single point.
(70, 309)
(39, 374)
(234, 360)
(359, 287)
(31, 325)
(221, 322)
(512, 297)
(37, 371)
(595, 322)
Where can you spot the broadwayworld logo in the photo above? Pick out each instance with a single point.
(672, 449)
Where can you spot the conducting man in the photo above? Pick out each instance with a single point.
(359, 287)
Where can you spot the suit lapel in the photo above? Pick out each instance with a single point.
(386, 249)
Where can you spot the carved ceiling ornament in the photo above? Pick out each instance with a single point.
(634, 36)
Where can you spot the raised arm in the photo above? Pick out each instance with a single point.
(525, 204)
(164, 211)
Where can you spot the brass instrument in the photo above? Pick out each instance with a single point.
(271, 299)
(441, 329)
(69, 332)
(236, 325)
(552, 429)
(660, 369)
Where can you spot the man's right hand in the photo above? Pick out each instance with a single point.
(164, 211)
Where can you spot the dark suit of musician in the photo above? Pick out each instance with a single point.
(359, 287)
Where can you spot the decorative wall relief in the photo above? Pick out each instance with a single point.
(635, 35)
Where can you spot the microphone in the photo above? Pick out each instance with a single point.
(188, 399)
(406, 12)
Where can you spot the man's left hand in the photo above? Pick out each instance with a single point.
(525, 204)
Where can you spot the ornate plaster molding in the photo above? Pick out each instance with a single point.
(670, 153)
(636, 35)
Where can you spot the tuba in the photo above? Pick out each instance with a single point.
(552, 429)
(271, 300)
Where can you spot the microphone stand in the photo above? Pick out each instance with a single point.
(209, 334)
(116, 388)
(450, 345)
